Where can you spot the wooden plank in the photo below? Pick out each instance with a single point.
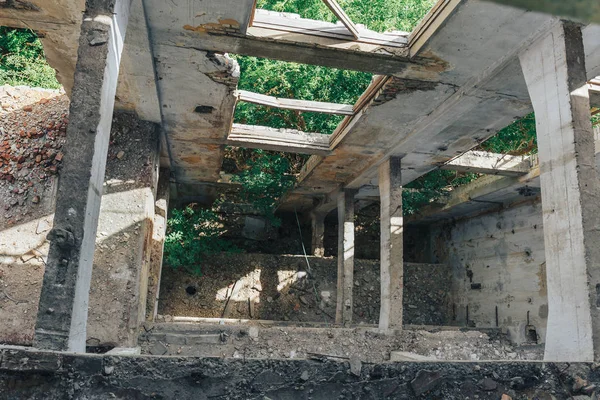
(285, 140)
(294, 104)
(343, 17)
(483, 162)
(292, 23)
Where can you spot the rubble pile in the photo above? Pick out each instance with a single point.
(33, 125)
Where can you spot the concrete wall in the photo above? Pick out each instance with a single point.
(120, 274)
(497, 261)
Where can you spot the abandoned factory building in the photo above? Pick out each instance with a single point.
(329, 283)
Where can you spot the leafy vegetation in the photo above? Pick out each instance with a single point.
(296, 81)
(265, 181)
(377, 15)
(22, 60)
(517, 138)
(193, 233)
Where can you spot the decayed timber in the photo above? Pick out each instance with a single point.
(288, 24)
(343, 17)
(286, 140)
(483, 162)
(294, 104)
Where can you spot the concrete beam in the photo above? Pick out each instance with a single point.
(581, 10)
(295, 104)
(345, 260)
(285, 140)
(63, 307)
(554, 69)
(392, 242)
(483, 162)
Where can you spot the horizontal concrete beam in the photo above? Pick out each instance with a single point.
(294, 104)
(483, 162)
(287, 26)
(581, 10)
(285, 140)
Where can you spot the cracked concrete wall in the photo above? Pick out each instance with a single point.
(497, 261)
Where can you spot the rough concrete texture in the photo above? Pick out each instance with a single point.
(267, 340)
(391, 244)
(281, 289)
(32, 126)
(161, 206)
(570, 192)
(497, 261)
(62, 316)
(49, 375)
(120, 245)
(123, 244)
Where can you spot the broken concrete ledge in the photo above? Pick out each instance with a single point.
(36, 374)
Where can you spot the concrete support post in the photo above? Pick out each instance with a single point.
(345, 276)
(392, 255)
(63, 307)
(318, 232)
(161, 207)
(554, 69)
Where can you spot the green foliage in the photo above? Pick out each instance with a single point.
(22, 60)
(193, 233)
(377, 15)
(432, 187)
(296, 81)
(265, 181)
(516, 139)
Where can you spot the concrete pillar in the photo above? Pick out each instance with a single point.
(318, 232)
(345, 275)
(554, 69)
(392, 256)
(161, 207)
(63, 307)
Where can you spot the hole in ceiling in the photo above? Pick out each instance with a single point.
(204, 109)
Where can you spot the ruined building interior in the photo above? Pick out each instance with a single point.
(492, 292)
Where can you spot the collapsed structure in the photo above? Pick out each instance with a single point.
(469, 69)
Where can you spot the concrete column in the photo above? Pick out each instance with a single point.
(318, 232)
(345, 276)
(161, 207)
(63, 307)
(554, 69)
(392, 256)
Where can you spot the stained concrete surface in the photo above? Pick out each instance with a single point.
(117, 299)
(281, 289)
(37, 375)
(269, 340)
(498, 269)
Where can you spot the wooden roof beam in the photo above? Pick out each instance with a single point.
(343, 17)
(294, 104)
(285, 140)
